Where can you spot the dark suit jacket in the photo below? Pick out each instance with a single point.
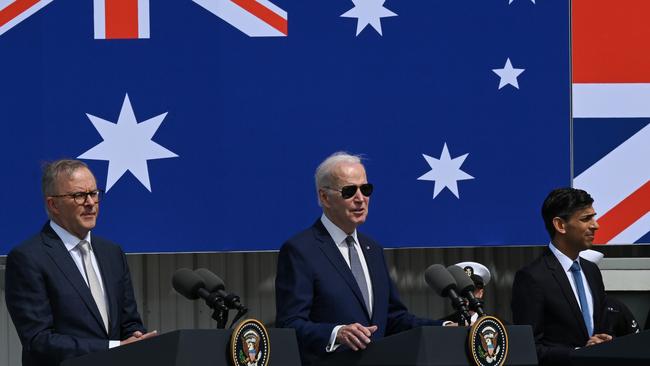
(542, 297)
(316, 291)
(52, 307)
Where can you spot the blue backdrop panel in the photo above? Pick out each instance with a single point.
(234, 126)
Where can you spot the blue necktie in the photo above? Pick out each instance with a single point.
(357, 270)
(577, 278)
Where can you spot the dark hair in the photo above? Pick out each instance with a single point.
(563, 203)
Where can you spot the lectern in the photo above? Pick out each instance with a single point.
(632, 349)
(426, 346)
(205, 347)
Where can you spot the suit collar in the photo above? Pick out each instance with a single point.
(69, 240)
(329, 248)
(562, 280)
(57, 251)
(564, 261)
(335, 232)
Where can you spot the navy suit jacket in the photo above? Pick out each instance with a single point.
(52, 307)
(542, 297)
(316, 291)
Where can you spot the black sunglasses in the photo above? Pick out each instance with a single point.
(351, 190)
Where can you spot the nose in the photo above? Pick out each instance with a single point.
(90, 201)
(358, 196)
(594, 224)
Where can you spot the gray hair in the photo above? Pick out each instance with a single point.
(324, 176)
(52, 171)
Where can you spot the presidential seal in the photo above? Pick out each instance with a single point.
(249, 344)
(488, 342)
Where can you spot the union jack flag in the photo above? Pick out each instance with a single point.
(611, 111)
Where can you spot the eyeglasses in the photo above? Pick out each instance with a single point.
(351, 190)
(80, 198)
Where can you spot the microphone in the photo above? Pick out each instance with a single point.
(192, 286)
(466, 288)
(214, 284)
(443, 283)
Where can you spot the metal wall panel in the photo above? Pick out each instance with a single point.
(251, 275)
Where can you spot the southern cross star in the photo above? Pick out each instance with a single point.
(368, 12)
(127, 145)
(445, 172)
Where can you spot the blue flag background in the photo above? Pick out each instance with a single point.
(251, 118)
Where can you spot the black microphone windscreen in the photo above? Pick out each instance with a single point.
(187, 283)
(213, 283)
(463, 281)
(439, 279)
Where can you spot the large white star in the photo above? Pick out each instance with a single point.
(508, 75)
(127, 145)
(368, 12)
(445, 172)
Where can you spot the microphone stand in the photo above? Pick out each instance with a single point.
(221, 316)
(216, 302)
(241, 312)
(458, 304)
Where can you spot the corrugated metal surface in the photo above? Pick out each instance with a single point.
(251, 276)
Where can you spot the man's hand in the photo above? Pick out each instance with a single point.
(138, 336)
(355, 336)
(599, 338)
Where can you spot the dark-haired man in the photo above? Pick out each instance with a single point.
(559, 294)
(69, 293)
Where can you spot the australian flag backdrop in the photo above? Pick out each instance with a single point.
(204, 120)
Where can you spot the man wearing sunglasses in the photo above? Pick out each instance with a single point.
(332, 282)
(68, 292)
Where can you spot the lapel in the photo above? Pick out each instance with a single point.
(331, 251)
(561, 278)
(375, 263)
(63, 261)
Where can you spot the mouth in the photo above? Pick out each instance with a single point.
(358, 211)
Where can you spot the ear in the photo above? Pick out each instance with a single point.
(324, 198)
(559, 225)
(51, 204)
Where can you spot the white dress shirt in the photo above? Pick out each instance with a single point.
(566, 263)
(70, 241)
(339, 237)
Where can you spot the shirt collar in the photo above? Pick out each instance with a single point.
(565, 261)
(335, 232)
(70, 241)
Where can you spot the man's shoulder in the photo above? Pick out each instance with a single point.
(30, 244)
(538, 265)
(106, 246)
(367, 240)
(317, 233)
(308, 235)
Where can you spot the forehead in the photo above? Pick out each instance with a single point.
(349, 172)
(587, 211)
(80, 179)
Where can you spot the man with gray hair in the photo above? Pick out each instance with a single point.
(68, 292)
(332, 282)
